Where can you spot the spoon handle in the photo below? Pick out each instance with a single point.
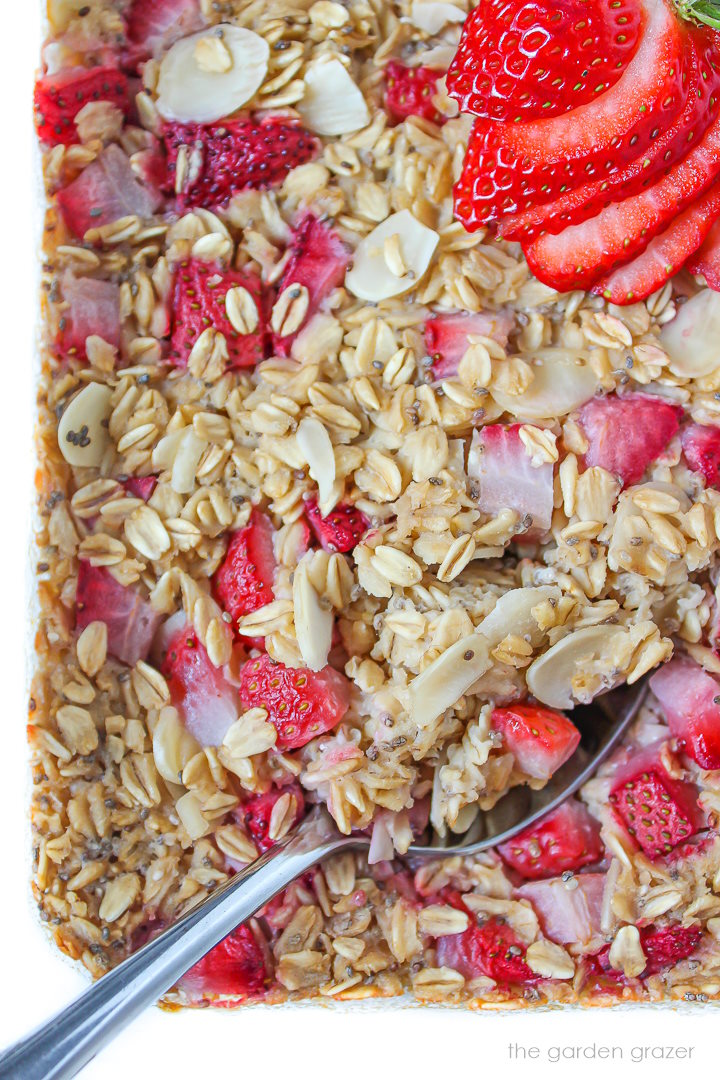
(68, 1041)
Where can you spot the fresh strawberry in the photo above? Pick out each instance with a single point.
(301, 704)
(236, 966)
(540, 740)
(522, 60)
(664, 255)
(567, 839)
(60, 97)
(255, 813)
(236, 155)
(701, 447)
(131, 621)
(153, 26)
(657, 810)
(667, 945)
(504, 477)
(447, 337)
(244, 581)
(570, 912)
(706, 260)
(491, 949)
(341, 530)
(409, 92)
(140, 487)
(318, 260)
(104, 192)
(93, 308)
(690, 699)
(200, 291)
(626, 434)
(199, 690)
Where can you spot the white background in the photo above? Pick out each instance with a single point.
(318, 1041)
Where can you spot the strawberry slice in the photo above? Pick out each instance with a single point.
(570, 912)
(701, 447)
(301, 704)
(244, 580)
(537, 59)
(409, 92)
(104, 192)
(447, 337)
(61, 96)
(256, 812)
(140, 487)
(94, 308)
(153, 27)
(131, 621)
(690, 700)
(235, 155)
(664, 255)
(668, 945)
(318, 260)
(492, 949)
(567, 839)
(507, 479)
(199, 690)
(706, 260)
(200, 292)
(341, 530)
(658, 811)
(540, 740)
(236, 967)
(647, 425)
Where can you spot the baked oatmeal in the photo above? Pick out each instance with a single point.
(350, 490)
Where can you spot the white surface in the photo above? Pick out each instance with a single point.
(259, 1043)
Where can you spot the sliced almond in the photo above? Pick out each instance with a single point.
(200, 82)
(431, 16)
(333, 104)
(313, 622)
(553, 677)
(692, 338)
(82, 436)
(371, 277)
(314, 443)
(561, 383)
(446, 679)
(513, 614)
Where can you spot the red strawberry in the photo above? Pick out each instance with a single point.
(318, 260)
(701, 447)
(667, 945)
(255, 813)
(520, 61)
(657, 810)
(706, 260)
(154, 26)
(503, 472)
(140, 487)
(626, 434)
(199, 690)
(664, 255)
(200, 291)
(131, 621)
(244, 581)
(492, 949)
(447, 337)
(409, 92)
(540, 740)
(341, 530)
(690, 699)
(301, 704)
(566, 839)
(60, 97)
(236, 155)
(94, 308)
(104, 192)
(236, 966)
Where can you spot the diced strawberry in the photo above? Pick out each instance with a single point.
(235, 155)
(200, 292)
(255, 813)
(541, 740)
(154, 26)
(131, 621)
(61, 96)
(706, 260)
(341, 530)
(507, 478)
(569, 911)
(447, 337)
(409, 92)
(657, 810)
(626, 434)
(301, 704)
(690, 700)
(236, 966)
(664, 255)
(94, 308)
(141, 487)
(491, 949)
(318, 260)
(244, 581)
(701, 447)
(668, 945)
(566, 839)
(199, 690)
(104, 192)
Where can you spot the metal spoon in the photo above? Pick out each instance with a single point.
(62, 1046)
